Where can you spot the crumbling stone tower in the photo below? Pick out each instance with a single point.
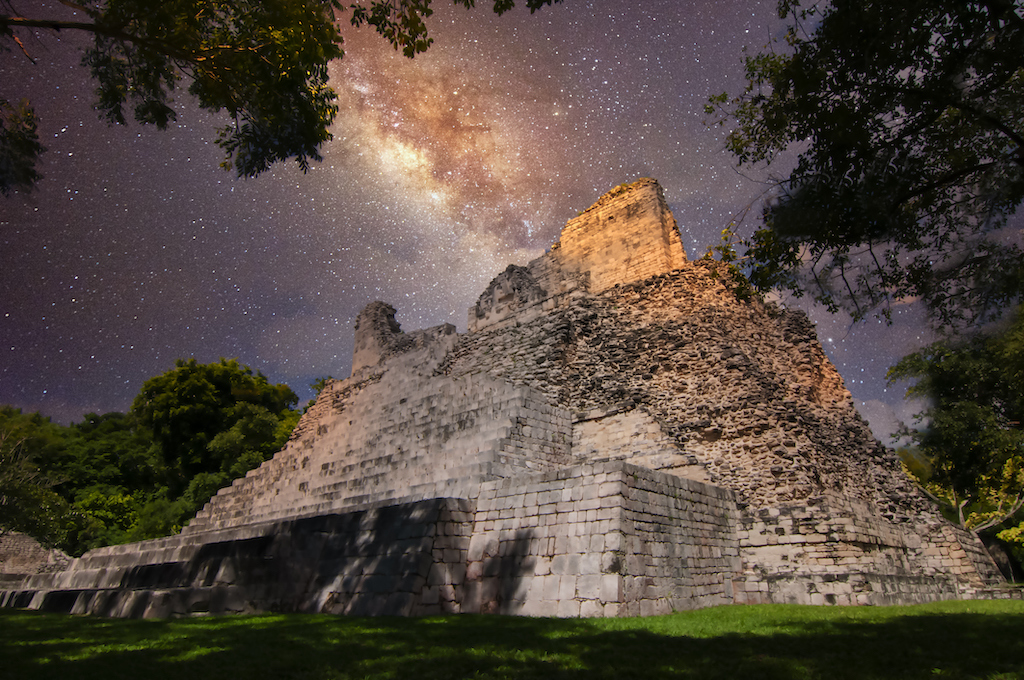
(617, 434)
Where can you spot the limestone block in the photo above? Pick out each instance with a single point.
(550, 587)
(568, 609)
(588, 587)
(567, 587)
(611, 588)
(590, 562)
(540, 608)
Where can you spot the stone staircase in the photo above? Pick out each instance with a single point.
(446, 435)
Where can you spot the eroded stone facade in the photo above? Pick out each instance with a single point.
(617, 434)
(21, 555)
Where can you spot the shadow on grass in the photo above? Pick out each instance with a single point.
(757, 642)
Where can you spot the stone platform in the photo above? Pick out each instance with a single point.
(607, 539)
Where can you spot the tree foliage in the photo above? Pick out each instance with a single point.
(27, 502)
(401, 22)
(204, 416)
(120, 477)
(263, 62)
(108, 451)
(19, 147)
(906, 118)
(972, 441)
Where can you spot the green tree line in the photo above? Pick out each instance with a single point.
(121, 477)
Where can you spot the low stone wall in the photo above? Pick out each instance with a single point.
(367, 562)
(609, 539)
(834, 550)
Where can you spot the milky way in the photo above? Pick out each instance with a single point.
(136, 249)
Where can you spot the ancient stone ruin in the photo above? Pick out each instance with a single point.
(616, 434)
(22, 556)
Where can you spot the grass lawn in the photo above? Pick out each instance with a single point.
(940, 640)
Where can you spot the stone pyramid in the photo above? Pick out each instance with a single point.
(616, 434)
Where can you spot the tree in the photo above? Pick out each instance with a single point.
(28, 503)
(906, 120)
(108, 452)
(103, 519)
(203, 417)
(264, 62)
(254, 436)
(19, 147)
(78, 486)
(108, 469)
(119, 477)
(972, 443)
(318, 386)
(210, 424)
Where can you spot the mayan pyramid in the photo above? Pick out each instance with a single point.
(617, 433)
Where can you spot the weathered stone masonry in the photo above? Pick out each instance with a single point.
(615, 435)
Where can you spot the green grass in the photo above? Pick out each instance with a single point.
(941, 640)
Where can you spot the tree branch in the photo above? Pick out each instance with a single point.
(24, 50)
(995, 123)
(56, 25)
(97, 29)
(944, 180)
(1017, 503)
(119, 34)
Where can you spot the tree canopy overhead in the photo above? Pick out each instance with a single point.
(264, 62)
(907, 119)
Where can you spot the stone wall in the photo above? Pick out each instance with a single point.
(372, 561)
(628, 235)
(682, 548)
(624, 432)
(378, 337)
(20, 555)
(610, 539)
(605, 539)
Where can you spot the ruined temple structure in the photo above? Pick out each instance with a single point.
(616, 434)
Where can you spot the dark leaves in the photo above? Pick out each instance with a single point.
(264, 62)
(19, 147)
(909, 117)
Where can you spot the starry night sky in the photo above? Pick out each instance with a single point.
(137, 249)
